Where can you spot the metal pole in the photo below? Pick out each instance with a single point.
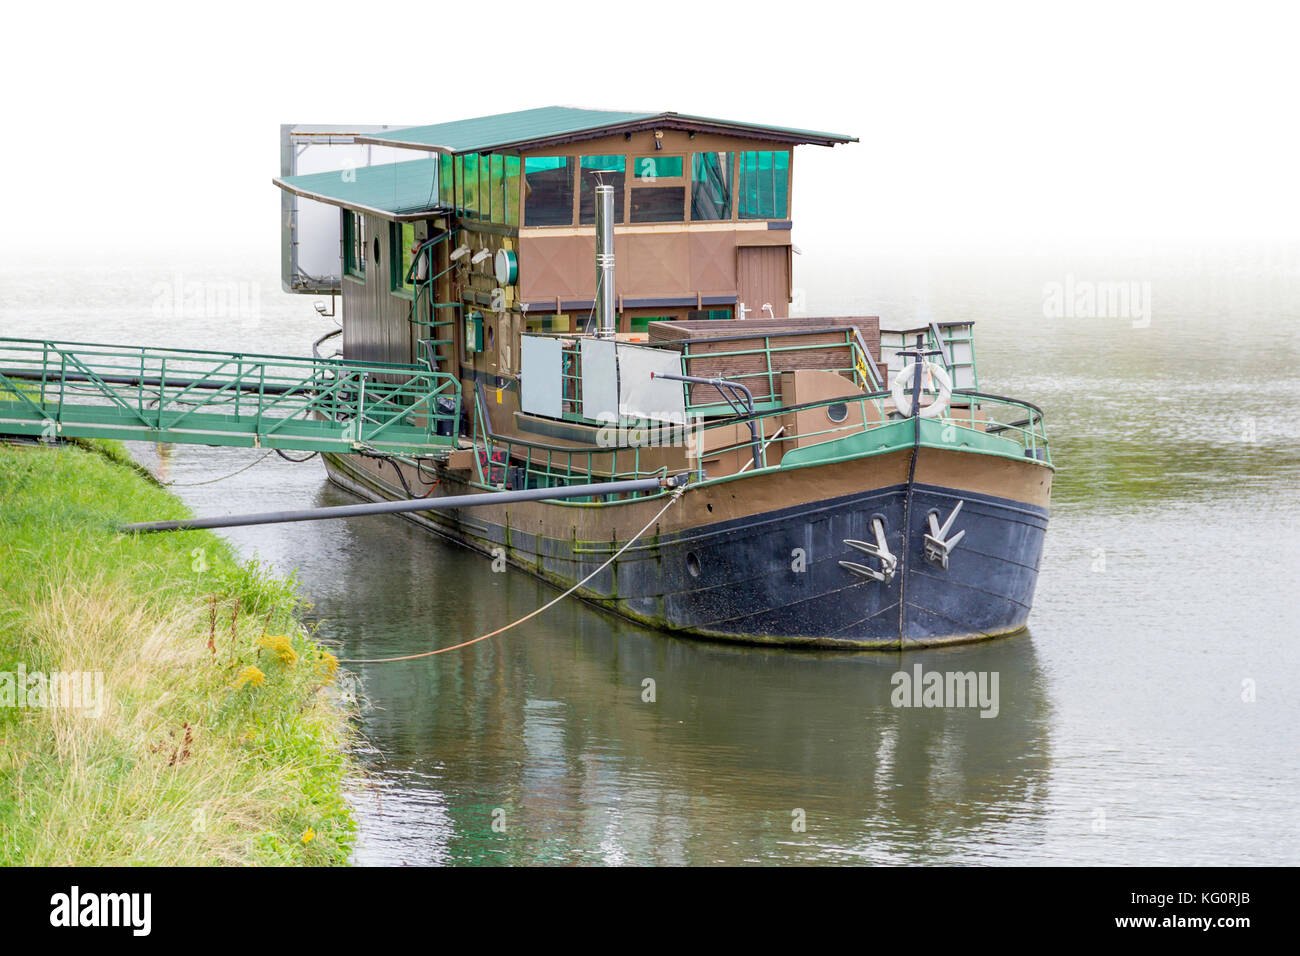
(605, 262)
(419, 504)
(722, 385)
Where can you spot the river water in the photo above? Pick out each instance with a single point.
(1149, 714)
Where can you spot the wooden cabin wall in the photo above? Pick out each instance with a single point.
(727, 261)
(376, 321)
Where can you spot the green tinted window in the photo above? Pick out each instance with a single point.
(446, 180)
(512, 190)
(401, 237)
(640, 323)
(460, 185)
(548, 191)
(471, 186)
(650, 168)
(764, 185)
(711, 186)
(498, 181)
(485, 188)
(354, 244)
(595, 170)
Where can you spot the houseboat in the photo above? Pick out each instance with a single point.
(610, 292)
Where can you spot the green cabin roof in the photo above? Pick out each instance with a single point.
(553, 125)
(394, 190)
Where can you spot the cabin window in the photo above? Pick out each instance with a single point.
(497, 182)
(548, 191)
(658, 190)
(354, 244)
(700, 315)
(658, 204)
(641, 323)
(470, 199)
(511, 187)
(458, 187)
(711, 186)
(401, 239)
(594, 170)
(446, 179)
(549, 323)
(647, 169)
(764, 184)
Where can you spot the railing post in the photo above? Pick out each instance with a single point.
(361, 407)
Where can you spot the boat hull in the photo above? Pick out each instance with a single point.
(763, 559)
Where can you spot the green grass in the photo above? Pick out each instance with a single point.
(189, 762)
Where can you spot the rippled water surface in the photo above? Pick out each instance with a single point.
(1122, 735)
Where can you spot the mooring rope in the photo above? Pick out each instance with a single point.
(676, 495)
(195, 484)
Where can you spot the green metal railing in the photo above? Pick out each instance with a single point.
(74, 389)
(857, 365)
(426, 312)
(983, 424)
(986, 424)
(525, 463)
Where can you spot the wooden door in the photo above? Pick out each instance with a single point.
(763, 278)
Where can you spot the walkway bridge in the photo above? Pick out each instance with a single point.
(51, 390)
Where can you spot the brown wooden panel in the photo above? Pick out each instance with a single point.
(736, 337)
(763, 277)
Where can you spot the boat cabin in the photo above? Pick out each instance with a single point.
(503, 209)
(487, 257)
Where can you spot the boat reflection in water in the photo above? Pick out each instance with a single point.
(550, 733)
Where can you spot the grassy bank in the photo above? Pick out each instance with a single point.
(216, 739)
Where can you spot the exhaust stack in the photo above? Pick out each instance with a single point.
(605, 327)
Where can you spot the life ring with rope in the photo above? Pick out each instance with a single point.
(934, 374)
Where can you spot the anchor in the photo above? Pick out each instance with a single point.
(888, 562)
(938, 546)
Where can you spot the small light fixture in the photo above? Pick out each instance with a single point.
(659, 139)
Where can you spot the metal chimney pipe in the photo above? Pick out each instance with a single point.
(605, 262)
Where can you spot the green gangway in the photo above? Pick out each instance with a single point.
(54, 390)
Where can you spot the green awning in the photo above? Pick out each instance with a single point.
(394, 190)
(549, 125)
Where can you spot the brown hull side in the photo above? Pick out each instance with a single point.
(560, 543)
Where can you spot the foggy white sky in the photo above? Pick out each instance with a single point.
(979, 122)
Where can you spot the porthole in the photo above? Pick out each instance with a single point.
(376, 247)
(692, 564)
(837, 412)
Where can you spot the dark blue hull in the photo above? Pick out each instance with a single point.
(779, 577)
(747, 580)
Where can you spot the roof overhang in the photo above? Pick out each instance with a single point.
(398, 191)
(532, 131)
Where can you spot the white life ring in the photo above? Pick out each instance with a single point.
(934, 375)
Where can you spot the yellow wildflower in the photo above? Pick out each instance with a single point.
(280, 646)
(308, 835)
(329, 665)
(250, 675)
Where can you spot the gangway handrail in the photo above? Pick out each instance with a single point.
(208, 397)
